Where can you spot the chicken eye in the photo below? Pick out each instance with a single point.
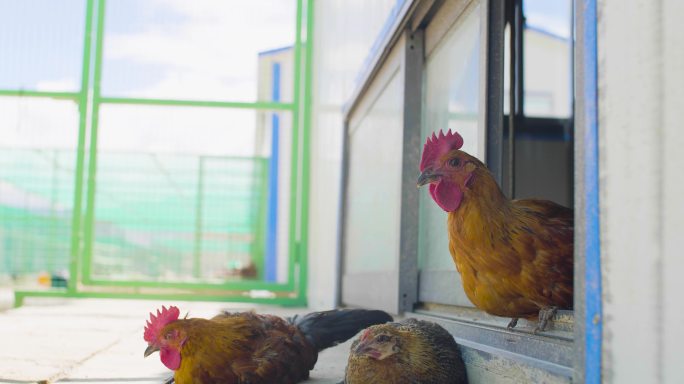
(455, 162)
(382, 338)
(169, 336)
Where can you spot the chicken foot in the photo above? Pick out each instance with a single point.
(512, 323)
(545, 314)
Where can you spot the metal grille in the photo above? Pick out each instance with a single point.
(171, 218)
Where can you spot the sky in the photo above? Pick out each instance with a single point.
(41, 44)
(192, 49)
(549, 15)
(205, 49)
(170, 49)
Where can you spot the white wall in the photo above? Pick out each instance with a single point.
(641, 96)
(344, 31)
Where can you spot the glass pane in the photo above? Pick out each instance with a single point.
(182, 194)
(38, 138)
(41, 44)
(451, 102)
(206, 49)
(353, 28)
(452, 78)
(374, 189)
(547, 58)
(507, 70)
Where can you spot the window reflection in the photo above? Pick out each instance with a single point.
(451, 100)
(547, 59)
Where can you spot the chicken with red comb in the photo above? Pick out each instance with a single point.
(515, 257)
(250, 348)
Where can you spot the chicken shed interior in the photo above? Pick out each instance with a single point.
(263, 155)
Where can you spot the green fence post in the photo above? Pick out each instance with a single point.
(89, 229)
(258, 247)
(72, 284)
(306, 132)
(199, 206)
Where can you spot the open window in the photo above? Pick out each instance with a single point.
(500, 72)
(538, 88)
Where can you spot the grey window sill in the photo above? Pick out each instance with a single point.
(488, 344)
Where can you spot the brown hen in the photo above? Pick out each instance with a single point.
(247, 347)
(515, 257)
(411, 351)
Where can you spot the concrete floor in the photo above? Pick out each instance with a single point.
(100, 341)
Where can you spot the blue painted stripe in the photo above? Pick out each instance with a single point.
(271, 257)
(593, 317)
(275, 91)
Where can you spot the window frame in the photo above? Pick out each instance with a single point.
(576, 359)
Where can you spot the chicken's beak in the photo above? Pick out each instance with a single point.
(367, 349)
(151, 349)
(361, 348)
(427, 177)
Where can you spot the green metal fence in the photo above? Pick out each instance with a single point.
(177, 218)
(36, 200)
(122, 224)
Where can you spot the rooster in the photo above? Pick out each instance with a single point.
(515, 257)
(411, 351)
(247, 347)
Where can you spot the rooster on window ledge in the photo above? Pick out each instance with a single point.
(515, 257)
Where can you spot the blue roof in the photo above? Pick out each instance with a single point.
(275, 50)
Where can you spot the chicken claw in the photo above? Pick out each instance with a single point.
(545, 314)
(512, 323)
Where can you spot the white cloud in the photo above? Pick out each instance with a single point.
(61, 85)
(212, 52)
(38, 123)
(177, 130)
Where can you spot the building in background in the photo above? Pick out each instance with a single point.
(273, 140)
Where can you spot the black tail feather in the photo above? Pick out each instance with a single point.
(329, 328)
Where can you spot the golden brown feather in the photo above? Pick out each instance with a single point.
(250, 348)
(515, 257)
(411, 351)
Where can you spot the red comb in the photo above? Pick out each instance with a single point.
(438, 145)
(156, 323)
(365, 334)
